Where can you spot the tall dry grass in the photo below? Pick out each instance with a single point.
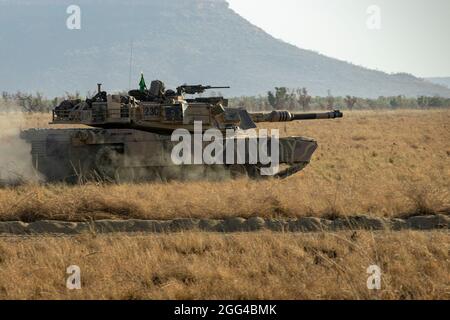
(414, 265)
(377, 163)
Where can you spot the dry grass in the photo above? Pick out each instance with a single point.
(377, 163)
(415, 265)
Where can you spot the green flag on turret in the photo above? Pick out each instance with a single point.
(142, 85)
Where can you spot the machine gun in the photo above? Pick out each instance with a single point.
(195, 89)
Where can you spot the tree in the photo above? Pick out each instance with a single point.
(5, 96)
(436, 101)
(396, 102)
(36, 103)
(70, 96)
(423, 101)
(304, 98)
(350, 102)
(330, 101)
(279, 99)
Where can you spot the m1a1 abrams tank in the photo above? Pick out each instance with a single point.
(129, 137)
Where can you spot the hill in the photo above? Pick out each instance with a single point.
(190, 41)
(443, 81)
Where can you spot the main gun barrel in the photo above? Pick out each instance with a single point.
(210, 87)
(285, 116)
(313, 116)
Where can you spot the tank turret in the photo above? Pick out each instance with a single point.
(163, 111)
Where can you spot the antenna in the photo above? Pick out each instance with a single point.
(131, 64)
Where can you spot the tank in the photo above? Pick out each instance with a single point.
(131, 138)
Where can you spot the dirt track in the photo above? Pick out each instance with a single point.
(432, 222)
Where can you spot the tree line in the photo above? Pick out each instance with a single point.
(281, 98)
(300, 100)
(27, 102)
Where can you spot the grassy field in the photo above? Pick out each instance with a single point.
(375, 163)
(414, 265)
(378, 163)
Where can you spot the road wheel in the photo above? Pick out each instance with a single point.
(238, 171)
(107, 162)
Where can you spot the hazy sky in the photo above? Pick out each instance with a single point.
(414, 35)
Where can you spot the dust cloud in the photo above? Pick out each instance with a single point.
(15, 157)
